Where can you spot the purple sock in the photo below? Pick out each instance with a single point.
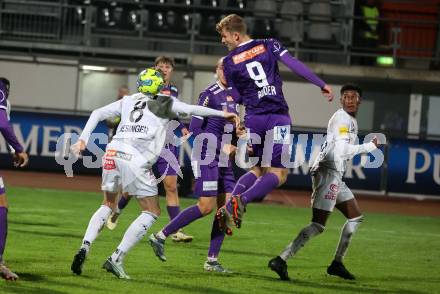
(3, 230)
(123, 202)
(244, 182)
(217, 238)
(184, 218)
(173, 211)
(262, 186)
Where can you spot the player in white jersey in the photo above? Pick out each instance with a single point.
(127, 164)
(329, 190)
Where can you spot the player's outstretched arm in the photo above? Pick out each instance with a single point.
(8, 133)
(180, 107)
(108, 111)
(303, 71)
(343, 147)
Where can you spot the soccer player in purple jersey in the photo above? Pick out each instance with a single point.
(166, 66)
(215, 180)
(251, 67)
(20, 160)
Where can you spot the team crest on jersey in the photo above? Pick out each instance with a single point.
(249, 54)
(2, 96)
(281, 135)
(276, 47)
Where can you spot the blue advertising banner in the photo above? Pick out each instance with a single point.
(414, 167)
(39, 133)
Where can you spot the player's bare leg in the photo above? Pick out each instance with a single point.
(351, 211)
(5, 273)
(96, 224)
(316, 227)
(135, 232)
(173, 207)
(123, 200)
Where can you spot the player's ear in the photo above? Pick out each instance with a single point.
(236, 36)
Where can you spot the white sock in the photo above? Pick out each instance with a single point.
(95, 226)
(347, 232)
(212, 259)
(161, 235)
(135, 232)
(306, 233)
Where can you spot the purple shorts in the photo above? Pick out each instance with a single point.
(214, 180)
(260, 124)
(2, 186)
(162, 166)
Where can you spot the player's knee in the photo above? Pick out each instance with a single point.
(110, 203)
(154, 211)
(170, 188)
(205, 209)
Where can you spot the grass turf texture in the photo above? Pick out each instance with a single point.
(389, 253)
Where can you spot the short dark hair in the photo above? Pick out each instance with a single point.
(351, 87)
(164, 59)
(6, 84)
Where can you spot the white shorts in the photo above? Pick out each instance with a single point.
(120, 172)
(329, 190)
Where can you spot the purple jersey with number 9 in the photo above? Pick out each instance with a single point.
(252, 70)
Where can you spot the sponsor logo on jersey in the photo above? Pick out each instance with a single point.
(209, 185)
(343, 130)
(249, 54)
(110, 153)
(334, 187)
(109, 164)
(123, 155)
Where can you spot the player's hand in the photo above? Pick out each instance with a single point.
(241, 131)
(375, 142)
(21, 159)
(229, 149)
(327, 92)
(232, 117)
(250, 150)
(78, 147)
(185, 132)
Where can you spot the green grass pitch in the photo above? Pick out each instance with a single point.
(389, 253)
